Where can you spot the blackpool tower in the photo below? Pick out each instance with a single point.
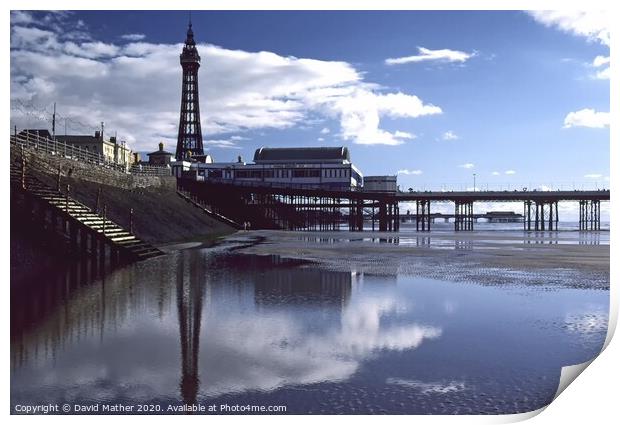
(189, 142)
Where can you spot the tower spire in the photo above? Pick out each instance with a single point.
(189, 142)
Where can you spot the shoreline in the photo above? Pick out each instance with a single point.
(482, 257)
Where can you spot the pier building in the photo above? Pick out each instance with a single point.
(312, 167)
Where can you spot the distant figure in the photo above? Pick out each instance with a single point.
(245, 225)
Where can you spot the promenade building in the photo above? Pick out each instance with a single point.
(111, 150)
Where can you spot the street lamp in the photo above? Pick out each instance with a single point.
(474, 182)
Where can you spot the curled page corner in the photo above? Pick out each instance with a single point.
(611, 326)
(569, 374)
(516, 417)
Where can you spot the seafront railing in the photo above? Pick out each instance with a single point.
(65, 150)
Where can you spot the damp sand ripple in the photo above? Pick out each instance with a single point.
(481, 259)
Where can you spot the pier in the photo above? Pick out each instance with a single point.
(299, 207)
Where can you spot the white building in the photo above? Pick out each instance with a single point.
(380, 184)
(329, 168)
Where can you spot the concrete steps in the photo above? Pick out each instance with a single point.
(114, 234)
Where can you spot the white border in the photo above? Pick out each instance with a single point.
(593, 398)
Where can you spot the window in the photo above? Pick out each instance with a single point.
(306, 173)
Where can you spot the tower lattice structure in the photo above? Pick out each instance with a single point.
(189, 142)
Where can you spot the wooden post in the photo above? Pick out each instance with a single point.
(131, 221)
(58, 178)
(67, 199)
(97, 200)
(23, 170)
(105, 210)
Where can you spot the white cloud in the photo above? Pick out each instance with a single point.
(587, 118)
(442, 55)
(604, 74)
(404, 135)
(592, 24)
(449, 135)
(495, 173)
(510, 172)
(21, 17)
(360, 111)
(221, 143)
(593, 176)
(410, 172)
(325, 130)
(428, 387)
(320, 139)
(467, 165)
(133, 37)
(241, 91)
(602, 62)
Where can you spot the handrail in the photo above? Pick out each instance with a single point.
(68, 151)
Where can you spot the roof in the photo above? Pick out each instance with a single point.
(160, 153)
(322, 154)
(41, 133)
(78, 139)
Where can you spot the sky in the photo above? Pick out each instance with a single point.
(517, 99)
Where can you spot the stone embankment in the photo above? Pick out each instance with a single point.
(160, 215)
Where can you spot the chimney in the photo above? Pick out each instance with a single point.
(113, 139)
(97, 134)
(161, 146)
(239, 160)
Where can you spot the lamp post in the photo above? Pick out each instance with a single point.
(474, 182)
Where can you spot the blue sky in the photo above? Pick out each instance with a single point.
(518, 99)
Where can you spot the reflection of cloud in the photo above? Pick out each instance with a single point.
(271, 351)
(243, 346)
(428, 387)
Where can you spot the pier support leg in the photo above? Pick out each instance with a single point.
(527, 215)
(382, 216)
(546, 217)
(463, 215)
(590, 215)
(359, 214)
(423, 215)
(396, 217)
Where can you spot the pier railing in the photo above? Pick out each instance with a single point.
(275, 185)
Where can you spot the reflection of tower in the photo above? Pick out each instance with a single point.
(190, 294)
(189, 142)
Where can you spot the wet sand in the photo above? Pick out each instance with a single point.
(557, 259)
